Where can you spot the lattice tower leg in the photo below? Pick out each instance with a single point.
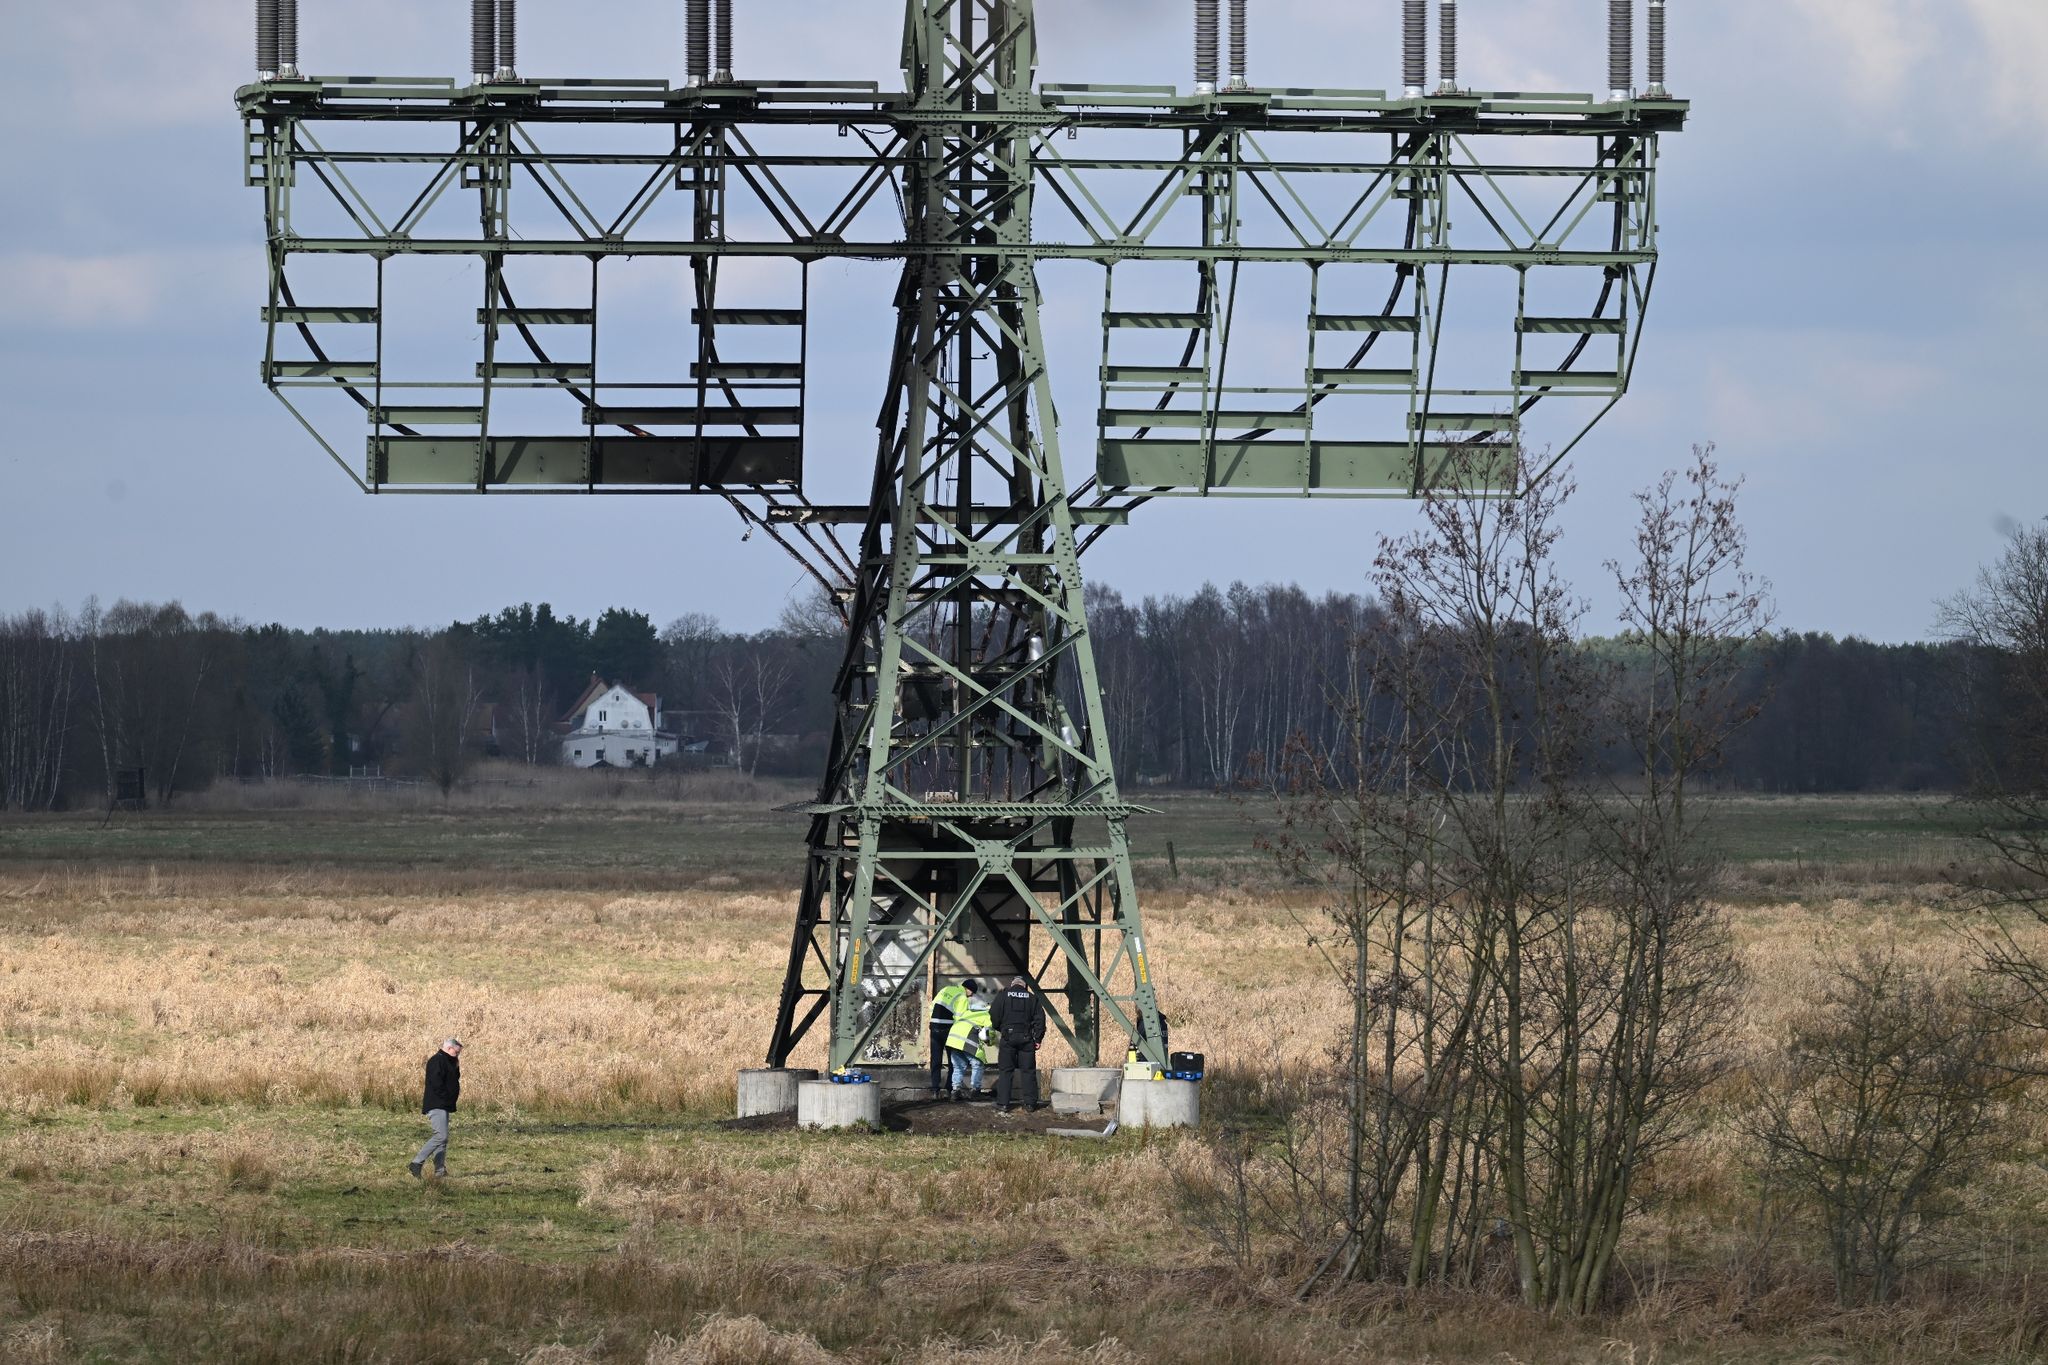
(970, 815)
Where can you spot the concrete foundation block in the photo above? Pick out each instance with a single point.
(900, 1081)
(1160, 1104)
(770, 1089)
(1098, 1083)
(827, 1104)
(1063, 1103)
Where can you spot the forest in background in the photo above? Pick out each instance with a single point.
(1196, 688)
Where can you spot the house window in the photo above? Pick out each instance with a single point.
(579, 753)
(600, 718)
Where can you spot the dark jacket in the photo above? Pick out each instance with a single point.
(444, 1083)
(1018, 1017)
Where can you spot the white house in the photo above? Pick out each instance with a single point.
(615, 727)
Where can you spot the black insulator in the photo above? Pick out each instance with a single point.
(266, 35)
(483, 37)
(1621, 46)
(722, 62)
(1414, 44)
(508, 37)
(1657, 46)
(288, 36)
(1205, 44)
(1238, 42)
(697, 39)
(1447, 44)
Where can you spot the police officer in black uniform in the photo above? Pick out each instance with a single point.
(1019, 1022)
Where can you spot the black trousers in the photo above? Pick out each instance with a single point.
(942, 1065)
(1013, 1059)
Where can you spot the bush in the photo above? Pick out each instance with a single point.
(1884, 1101)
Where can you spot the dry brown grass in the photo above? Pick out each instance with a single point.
(195, 990)
(590, 1003)
(272, 1030)
(190, 988)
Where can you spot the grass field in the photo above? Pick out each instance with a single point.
(634, 832)
(214, 1022)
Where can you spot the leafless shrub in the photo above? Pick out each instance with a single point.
(1268, 1171)
(1883, 1103)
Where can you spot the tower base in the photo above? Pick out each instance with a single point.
(1160, 1104)
(770, 1090)
(828, 1104)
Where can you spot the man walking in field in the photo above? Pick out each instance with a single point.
(444, 1087)
(1019, 1022)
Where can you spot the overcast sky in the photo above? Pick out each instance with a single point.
(1852, 303)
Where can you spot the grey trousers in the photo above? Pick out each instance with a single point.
(436, 1146)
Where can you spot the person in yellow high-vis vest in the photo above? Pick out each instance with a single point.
(946, 1006)
(972, 1045)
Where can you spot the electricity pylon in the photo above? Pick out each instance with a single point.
(970, 818)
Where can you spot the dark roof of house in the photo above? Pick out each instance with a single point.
(597, 688)
(582, 703)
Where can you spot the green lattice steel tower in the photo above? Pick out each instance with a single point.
(970, 817)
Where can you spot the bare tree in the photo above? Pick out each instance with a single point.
(446, 695)
(1359, 819)
(812, 614)
(1883, 1102)
(1539, 981)
(688, 645)
(1127, 699)
(1646, 983)
(528, 712)
(147, 667)
(35, 708)
(1449, 830)
(750, 686)
(1217, 691)
(2002, 619)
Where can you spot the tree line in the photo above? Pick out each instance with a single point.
(192, 699)
(1196, 684)
(1196, 688)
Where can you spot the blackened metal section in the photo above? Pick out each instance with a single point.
(1239, 41)
(697, 41)
(483, 39)
(1205, 47)
(1657, 90)
(288, 39)
(508, 40)
(1414, 47)
(1447, 46)
(266, 37)
(1621, 47)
